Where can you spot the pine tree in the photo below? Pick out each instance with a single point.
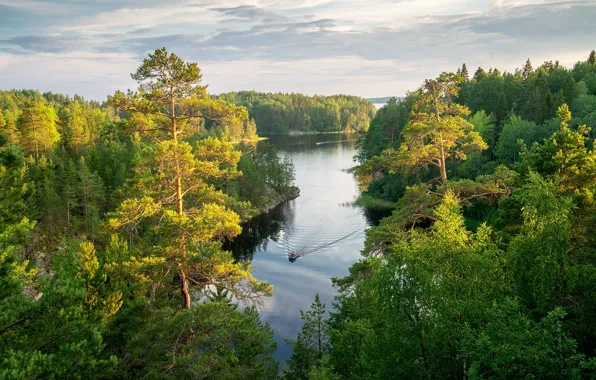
(77, 128)
(10, 127)
(174, 184)
(437, 130)
(527, 70)
(37, 125)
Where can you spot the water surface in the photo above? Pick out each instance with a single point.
(320, 226)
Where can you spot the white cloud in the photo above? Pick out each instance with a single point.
(363, 47)
(92, 75)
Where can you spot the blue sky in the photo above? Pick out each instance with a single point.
(361, 47)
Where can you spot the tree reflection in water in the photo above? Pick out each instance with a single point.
(257, 232)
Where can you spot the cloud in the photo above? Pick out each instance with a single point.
(46, 44)
(93, 75)
(360, 46)
(249, 13)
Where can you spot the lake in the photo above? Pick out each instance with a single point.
(321, 226)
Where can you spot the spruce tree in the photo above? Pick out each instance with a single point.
(464, 72)
(592, 58)
(91, 196)
(527, 71)
(312, 343)
(479, 74)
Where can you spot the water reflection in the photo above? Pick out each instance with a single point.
(257, 233)
(327, 234)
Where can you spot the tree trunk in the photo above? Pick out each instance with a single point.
(184, 291)
(175, 138)
(178, 195)
(179, 210)
(443, 173)
(443, 168)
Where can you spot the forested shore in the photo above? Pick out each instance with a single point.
(112, 220)
(114, 217)
(487, 266)
(296, 113)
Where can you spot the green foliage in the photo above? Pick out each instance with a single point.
(264, 175)
(37, 127)
(281, 113)
(95, 238)
(54, 326)
(312, 344)
(210, 340)
(517, 132)
(418, 297)
(511, 297)
(512, 345)
(385, 128)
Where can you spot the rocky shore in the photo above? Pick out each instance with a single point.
(277, 199)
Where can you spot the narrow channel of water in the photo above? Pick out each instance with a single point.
(319, 226)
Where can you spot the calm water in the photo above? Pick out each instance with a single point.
(319, 225)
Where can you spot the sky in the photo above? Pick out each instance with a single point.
(369, 48)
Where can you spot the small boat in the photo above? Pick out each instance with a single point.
(293, 256)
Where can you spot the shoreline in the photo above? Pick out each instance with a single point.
(281, 199)
(276, 202)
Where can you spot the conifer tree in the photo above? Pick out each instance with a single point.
(464, 73)
(77, 128)
(37, 125)
(10, 127)
(91, 195)
(69, 183)
(172, 173)
(312, 343)
(527, 71)
(592, 58)
(479, 74)
(437, 130)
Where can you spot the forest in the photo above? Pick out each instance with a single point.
(114, 218)
(283, 113)
(487, 266)
(112, 222)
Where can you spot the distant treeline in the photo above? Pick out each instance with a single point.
(282, 113)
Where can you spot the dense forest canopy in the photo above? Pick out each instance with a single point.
(487, 266)
(282, 113)
(114, 215)
(112, 222)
